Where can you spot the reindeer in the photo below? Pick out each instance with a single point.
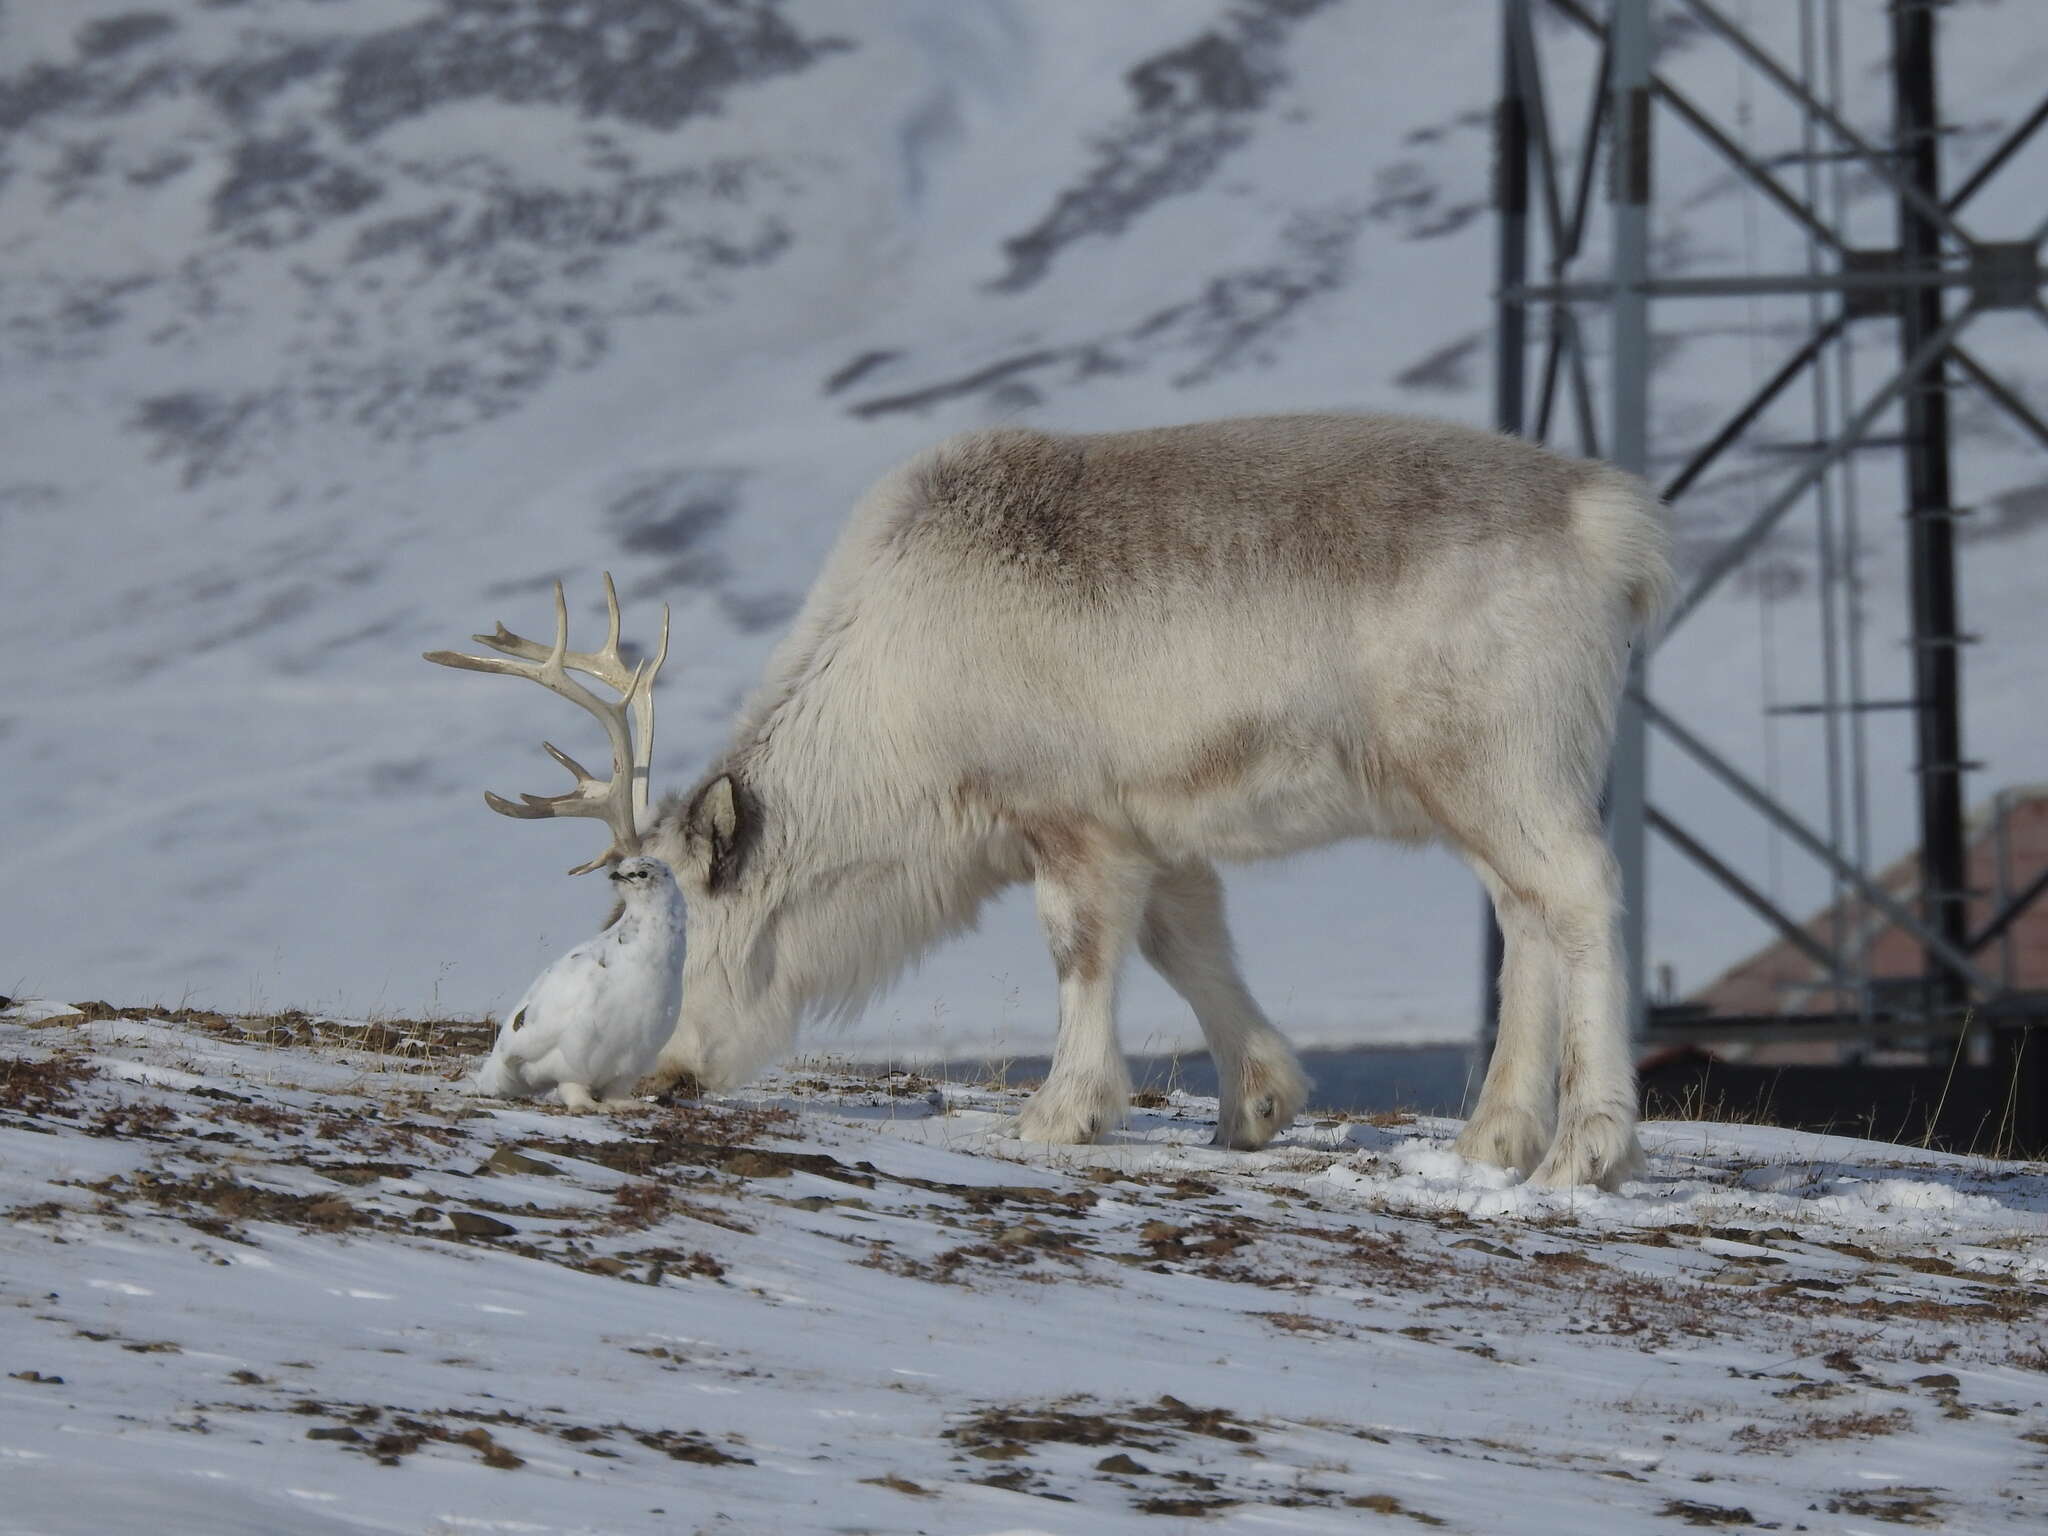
(1102, 663)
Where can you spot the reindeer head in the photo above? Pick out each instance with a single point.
(743, 987)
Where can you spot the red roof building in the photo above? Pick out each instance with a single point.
(2007, 843)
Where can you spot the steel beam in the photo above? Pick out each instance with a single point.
(1521, 38)
(2009, 914)
(1843, 280)
(1758, 174)
(1873, 894)
(1566, 348)
(1567, 342)
(1912, 189)
(1997, 158)
(1930, 535)
(1582, 387)
(1589, 156)
(1739, 548)
(1757, 405)
(1780, 1028)
(1995, 387)
(1510, 366)
(1629, 393)
(1742, 890)
(1850, 963)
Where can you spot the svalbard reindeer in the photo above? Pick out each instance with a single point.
(1103, 662)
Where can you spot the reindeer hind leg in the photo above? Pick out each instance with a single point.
(1557, 893)
(1513, 1121)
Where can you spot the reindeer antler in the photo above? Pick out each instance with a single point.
(621, 800)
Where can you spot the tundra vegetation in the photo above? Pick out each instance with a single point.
(303, 1283)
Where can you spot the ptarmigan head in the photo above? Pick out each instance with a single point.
(639, 874)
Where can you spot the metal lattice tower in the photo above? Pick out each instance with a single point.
(1932, 284)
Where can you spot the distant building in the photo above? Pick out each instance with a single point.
(2008, 849)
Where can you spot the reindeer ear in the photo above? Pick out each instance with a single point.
(718, 812)
(716, 818)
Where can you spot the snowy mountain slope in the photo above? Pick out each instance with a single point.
(306, 1287)
(332, 333)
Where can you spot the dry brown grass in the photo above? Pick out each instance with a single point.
(635, 1206)
(1699, 1103)
(1299, 1322)
(1895, 1506)
(1694, 1513)
(898, 1484)
(1387, 1504)
(1844, 1426)
(44, 1087)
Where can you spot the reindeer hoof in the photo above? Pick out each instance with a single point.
(1270, 1094)
(1506, 1139)
(1070, 1116)
(1600, 1150)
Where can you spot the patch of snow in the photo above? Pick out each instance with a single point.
(893, 1319)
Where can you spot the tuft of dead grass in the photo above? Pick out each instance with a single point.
(1003, 1434)
(635, 1206)
(1845, 1426)
(1299, 1322)
(44, 1087)
(898, 1484)
(1692, 1512)
(1387, 1504)
(1895, 1506)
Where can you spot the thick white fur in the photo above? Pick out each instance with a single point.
(1102, 663)
(594, 1022)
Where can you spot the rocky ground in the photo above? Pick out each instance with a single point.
(279, 1274)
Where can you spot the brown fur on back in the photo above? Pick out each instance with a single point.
(1308, 497)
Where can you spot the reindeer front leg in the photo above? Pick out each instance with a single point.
(1260, 1084)
(1091, 896)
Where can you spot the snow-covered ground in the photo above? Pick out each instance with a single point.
(279, 1276)
(330, 333)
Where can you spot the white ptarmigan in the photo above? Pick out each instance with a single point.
(592, 1023)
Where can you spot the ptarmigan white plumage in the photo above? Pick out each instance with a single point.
(593, 1022)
